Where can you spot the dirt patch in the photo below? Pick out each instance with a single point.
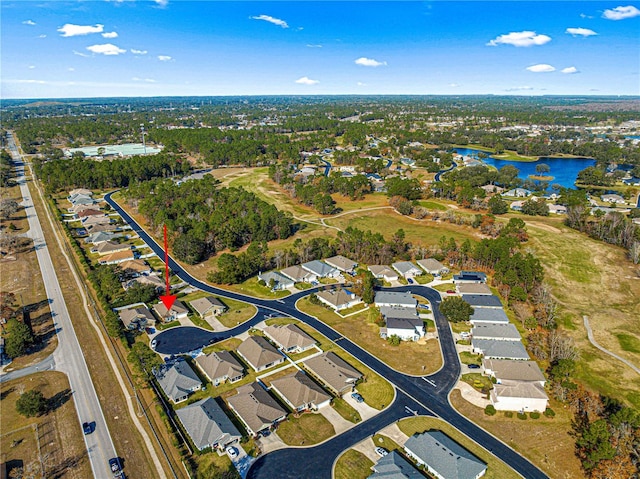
(546, 227)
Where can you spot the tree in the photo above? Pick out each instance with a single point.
(368, 282)
(407, 188)
(497, 205)
(8, 207)
(456, 309)
(189, 249)
(18, 338)
(32, 403)
(594, 445)
(542, 168)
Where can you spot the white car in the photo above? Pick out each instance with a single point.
(381, 451)
(232, 451)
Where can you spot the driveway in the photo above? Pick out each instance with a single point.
(363, 408)
(339, 423)
(392, 431)
(271, 443)
(242, 461)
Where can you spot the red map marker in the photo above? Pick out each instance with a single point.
(167, 299)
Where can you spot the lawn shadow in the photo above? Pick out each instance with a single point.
(61, 469)
(5, 394)
(59, 399)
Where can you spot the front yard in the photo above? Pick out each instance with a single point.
(353, 465)
(305, 430)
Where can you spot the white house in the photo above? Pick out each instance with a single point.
(392, 298)
(383, 272)
(320, 269)
(338, 299)
(298, 274)
(519, 396)
(280, 281)
(406, 269)
(342, 263)
(433, 266)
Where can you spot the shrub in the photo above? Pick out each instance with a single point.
(549, 412)
(508, 414)
(534, 415)
(394, 340)
(32, 403)
(522, 416)
(490, 410)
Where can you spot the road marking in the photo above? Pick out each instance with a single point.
(430, 382)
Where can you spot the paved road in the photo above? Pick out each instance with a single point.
(431, 396)
(68, 355)
(44, 365)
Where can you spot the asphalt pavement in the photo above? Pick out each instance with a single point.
(429, 394)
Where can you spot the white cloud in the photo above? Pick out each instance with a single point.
(520, 39)
(70, 30)
(313, 46)
(39, 82)
(42, 36)
(31, 67)
(164, 58)
(71, 69)
(541, 68)
(620, 13)
(108, 49)
(148, 80)
(307, 81)
(80, 54)
(29, 22)
(585, 32)
(584, 15)
(138, 52)
(369, 62)
(520, 88)
(453, 85)
(110, 35)
(361, 84)
(270, 19)
(162, 3)
(570, 70)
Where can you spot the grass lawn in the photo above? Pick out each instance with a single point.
(387, 222)
(423, 279)
(375, 390)
(514, 156)
(478, 381)
(252, 288)
(585, 274)
(230, 344)
(409, 357)
(460, 327)
(305, 430)
(470, 358)
(64, 443)
(444, 287)
(343, 408)
(432, 205)
(171, 324)
(353, 465)
(198, 321)
(354, 309)
(380, 440)
(238, 312)
(547, 442)
(496, 469)
(213, 465)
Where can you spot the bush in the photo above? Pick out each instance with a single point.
(490, 410)
(534, 415)
(549, 412)
(522, 416)
(508, 414)
(394, 340)
(32, 403)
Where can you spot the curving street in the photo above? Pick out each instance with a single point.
(425, 397)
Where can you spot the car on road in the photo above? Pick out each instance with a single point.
(114, 465)
(86, 428)
(357, 397)
(450, 291)
(473, 366)
(232, 451)
(381, 451)
(153, 344)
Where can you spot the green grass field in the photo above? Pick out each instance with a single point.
(305, 430)
(343, 408)
(353, 465)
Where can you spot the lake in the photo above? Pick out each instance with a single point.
(564, 170)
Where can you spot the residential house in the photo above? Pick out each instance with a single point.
(135, 267)
(333, 371)
(80, 191)
(482, 301)
(338, 299)
(117, 257)
(402, 322)
(136, 318)
(99, 237)
(488, 315)
(557, 209)
(146, 279)
(510, 370)
(95, 220)
(518, 193)
(220, 366)
(519, 396)
(259, 353)
(613, 198)
(81, 200)
(178, 311)
(300, 393)
(443, 457)
(280, 281)
(492, 348)
(100, 227)
(255, 407)
(392, 298)
(109, 247)
(497, 331)
(342, 263)
(473, 288)
(320, 269)
(394, 466)
(433, 266)
(89, 212)
(75, 209)
(469, 277)
(298, 274)
(289, 338)
(384, 272)
(178, 380)
(406, 269)
(208, 425)
(208, 307)
(492, 189)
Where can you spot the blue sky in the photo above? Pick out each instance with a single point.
(56, 49)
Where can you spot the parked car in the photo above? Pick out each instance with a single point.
(450, 291)
(265, 433)
(357, 397)
(410, 281)
(86, 428)
(232, 451)
(473, 366)
(381, 451)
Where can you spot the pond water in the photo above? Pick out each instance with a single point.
(564, 170)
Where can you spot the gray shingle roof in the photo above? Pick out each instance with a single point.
(289, 336)
(258, 352)
(207, 424)
(492, 348)
(395, 298)
(221, 364)
(333, 371)
(492, 315)
(256, 407)
(299, 390)
(396, 312)
(431, 265)
(341, 262)
(404, 267)
(482, 301)
(204, 305)
(444, 455)
(319, 268)
(514, 370)
(500, 331)
(178, 380)
(394, 466)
